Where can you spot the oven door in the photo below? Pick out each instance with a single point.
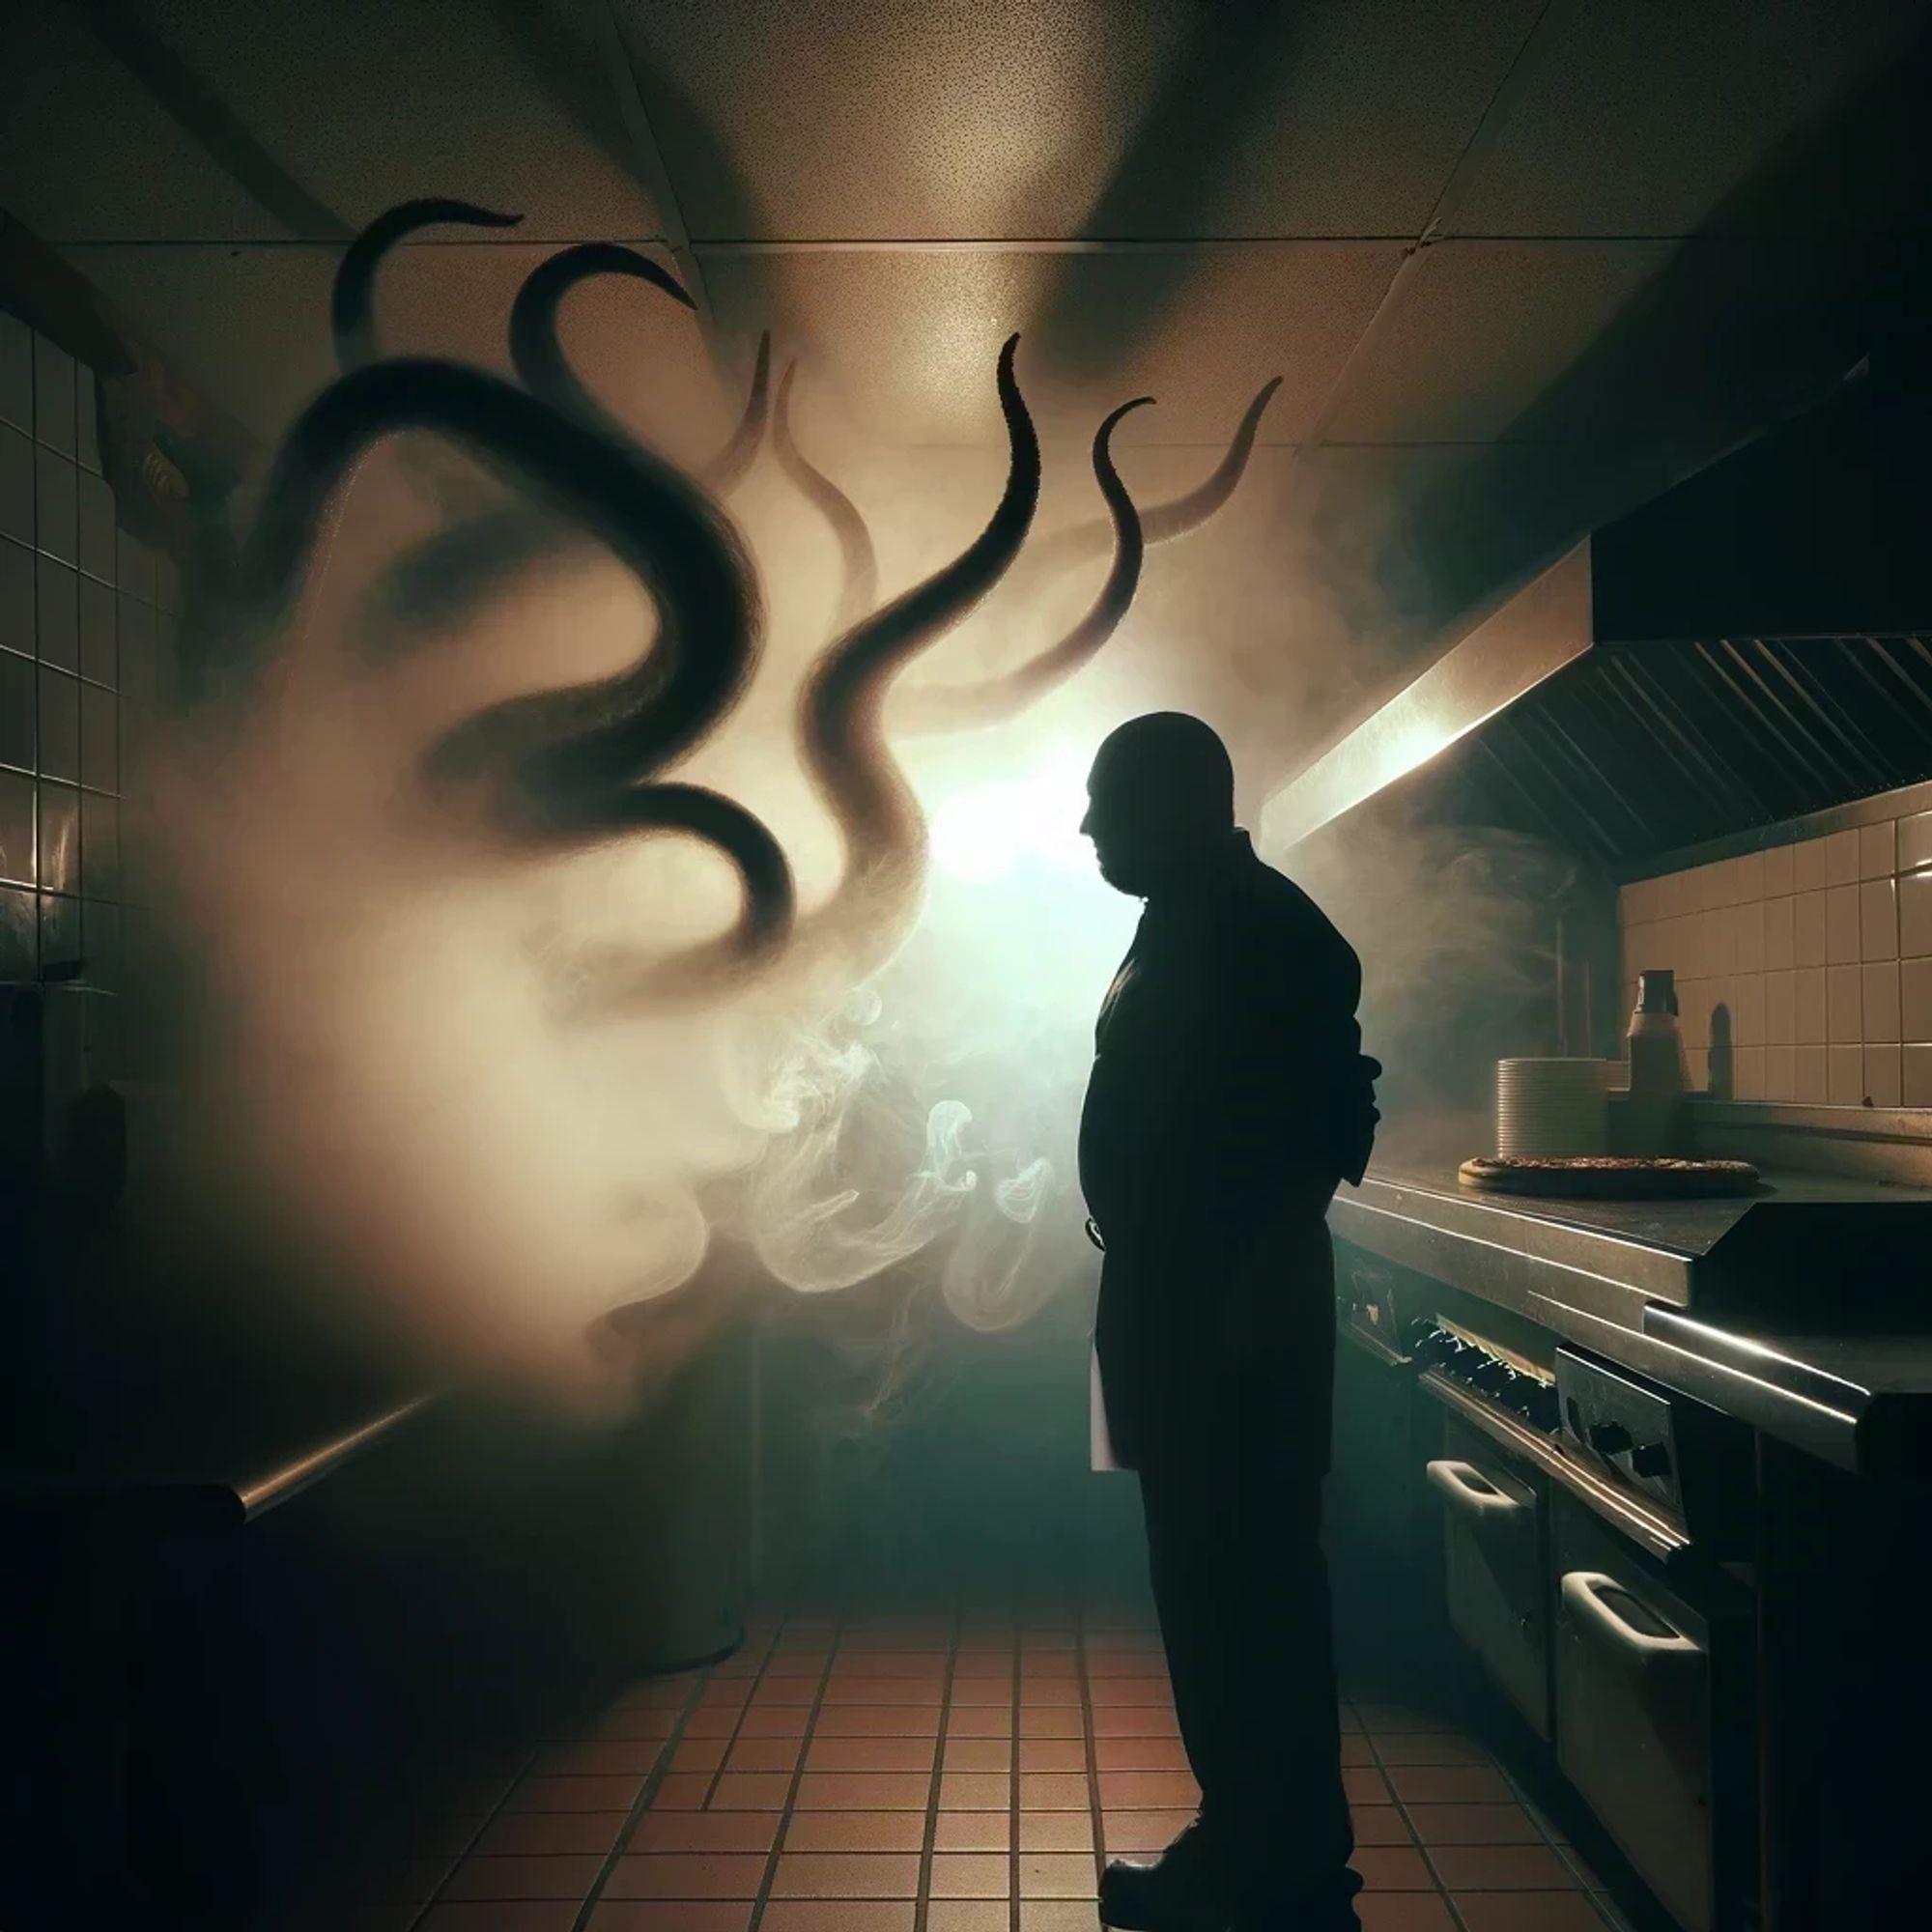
(1634, 1712)
(1494, 1564)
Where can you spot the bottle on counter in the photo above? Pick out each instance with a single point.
(1659, 1075)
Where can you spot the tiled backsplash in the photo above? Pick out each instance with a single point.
(85, 626)
(1821, 951)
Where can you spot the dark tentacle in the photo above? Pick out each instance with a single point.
(996, 699)
(540, 360)
(859, 590)
(352, 308)
(949, 707)
(574, 757)
(840, 716)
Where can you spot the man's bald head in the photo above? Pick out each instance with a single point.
(1161, 794)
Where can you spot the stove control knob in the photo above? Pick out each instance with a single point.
(1609, 1439)
(1651, 1458)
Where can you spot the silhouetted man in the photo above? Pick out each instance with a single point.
(1229, 1097)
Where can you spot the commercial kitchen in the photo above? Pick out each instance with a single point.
(563, 571)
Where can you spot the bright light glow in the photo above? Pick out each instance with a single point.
(983, 833)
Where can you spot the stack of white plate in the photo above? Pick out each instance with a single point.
(1552, 1106)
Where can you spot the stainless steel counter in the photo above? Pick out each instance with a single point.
(1796, 1310)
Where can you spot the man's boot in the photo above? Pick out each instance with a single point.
(1180, 1891)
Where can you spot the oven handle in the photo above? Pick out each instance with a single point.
(1582, 1594)
(1459, 1483)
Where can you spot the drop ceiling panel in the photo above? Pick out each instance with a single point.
(903, 343)
(890, 119)
(1639, 117)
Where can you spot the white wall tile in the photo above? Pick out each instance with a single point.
(1808, 929)
(1844, 1075)
(1881, 1076)
(1841, 925)
(1878, 1000)
(1809, 870)
(1777, 937)
(1780, 1009)
(1811, 1005)
(1915, 915)
(1808, 1082)
(1750, 877)
(1914, 841)
(1878, 850)
(1844, 1006)
(1749, 1080)
(1777, 870)
(1748, 1008)
(1918, 1076)
(1721, 883)
(1747, 922)
(1781, 1073)
(1878, 920)
(1841, 857)
(1693, 1012)
(1698, 1066)
(1914, 999)
(1679, 890)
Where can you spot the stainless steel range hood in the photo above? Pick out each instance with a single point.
(1751, 645)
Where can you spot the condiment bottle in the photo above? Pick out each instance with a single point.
(1659, 1074)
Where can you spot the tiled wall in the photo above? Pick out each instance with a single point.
(85, 622)
(1822, 952)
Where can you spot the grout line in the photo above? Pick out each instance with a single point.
(641, 1804)
(770, 1878)
(922, 1901)
(488, 1818)
(732, 1742)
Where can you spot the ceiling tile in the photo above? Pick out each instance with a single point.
(1639, 117)
(896, 119)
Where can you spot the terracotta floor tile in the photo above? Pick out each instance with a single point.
(843, 1915)
(1057, 1831)
(1147, 1790)
(1066, 1755)
(985, 1692)
(876, 1721)
(1473, 1825)
(1057, 1914)
(724, 1694)
(686, 1875)
(1052, 1720)
(797, 1663)
(1393, 1869)
(537, 1915)
(764, 1754)
(1528, 1912)
(778, 1692)
(855, 1832)
(1138, 1754)
(971, 1720)
(900, 1754)
(602, 1758)
(751, 1791)
(984, 1755)
(657, 1693)
(715, 1723)
(1449, 1784)
(1057, 1791)
(1403, 1912)
(1501, 1868)
(1135, 1834)
(703, 1755)
(574, 1794)
(774, 1724)
(970, 1875)
(954, 1915)
(1357, 1749)
(1393, 1718)
(1428, 1748)
(975, 1791)
(1135, 1720)
(705, 1832)
(894, 1662)
(1060, 1697)
(682, 1915)
(1056, 1875)
(682, 1791)
(862, 1791)
(975, 1831)
(1109, 1693)
(883, 1691)
(1380, 1825)
(1365, 1785)
(845, 1875)
(528, 1833)
(554, 1876)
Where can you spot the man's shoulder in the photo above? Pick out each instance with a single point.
(1275, 901)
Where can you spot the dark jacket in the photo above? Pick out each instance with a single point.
(1229, 1097)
